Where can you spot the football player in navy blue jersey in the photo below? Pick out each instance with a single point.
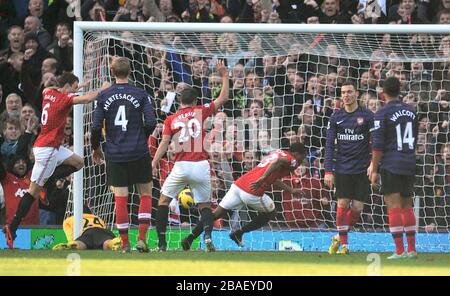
(394, 146)
(347, 156)
(129, 120)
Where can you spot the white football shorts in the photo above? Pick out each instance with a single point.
(196, 174)
(236, 198)
(46, 159)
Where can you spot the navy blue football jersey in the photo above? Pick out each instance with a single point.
(395, 134)
(125, 109)
(347, 150)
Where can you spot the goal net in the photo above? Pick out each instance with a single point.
(283, 89)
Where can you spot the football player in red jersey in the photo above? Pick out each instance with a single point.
(249, 190)
(186, 128)
(15, 181)
(51, 159)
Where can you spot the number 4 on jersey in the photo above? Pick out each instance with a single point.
(121, 118)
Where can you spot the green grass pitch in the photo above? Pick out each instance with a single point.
(48, 262)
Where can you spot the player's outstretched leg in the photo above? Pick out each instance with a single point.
(70, 165)
(186, 243)
(258, 222)
(122, 221)
(145, 207)
(9, 237)
(63, 171)
(396, 228)
(342, 223)
(351, 217)
(188, 240)
(409, 224)
(207, 219)
(162, 217)
(22, 210)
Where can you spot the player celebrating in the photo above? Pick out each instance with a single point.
(191, 160)
(394, 145)
(130, 120)
(350, 128)
(249, 190)
(94, 236)
(51, 159)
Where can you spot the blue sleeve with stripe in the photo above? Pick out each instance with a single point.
(99, 114)
(149, 112)
(330, 144)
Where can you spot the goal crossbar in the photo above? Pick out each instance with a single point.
(81, 27)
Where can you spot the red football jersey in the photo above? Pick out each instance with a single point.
(306, 211)
(14, 189)
(55, 108)
(187, 128)
(246, 180)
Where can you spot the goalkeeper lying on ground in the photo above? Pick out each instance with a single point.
(94, 236)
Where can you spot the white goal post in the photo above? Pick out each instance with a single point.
(80, 28)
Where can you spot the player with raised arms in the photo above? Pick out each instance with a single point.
(186, 129)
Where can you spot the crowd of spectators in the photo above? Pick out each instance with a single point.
(274, 100)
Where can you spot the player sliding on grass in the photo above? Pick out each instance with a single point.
(51, 159)
(350, 129)
(249, 190)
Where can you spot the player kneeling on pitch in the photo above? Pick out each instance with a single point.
(249, 190)
(94, 236)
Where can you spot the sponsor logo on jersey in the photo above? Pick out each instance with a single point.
(293, 163)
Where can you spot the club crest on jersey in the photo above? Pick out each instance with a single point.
(360, 120)
(50, 98)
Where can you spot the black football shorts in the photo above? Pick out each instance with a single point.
(94, 238)
(393, 183)
(352, 186)
(124, 174)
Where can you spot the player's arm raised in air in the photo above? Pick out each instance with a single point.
(281, 163)
(90, 96)
(224, 93)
